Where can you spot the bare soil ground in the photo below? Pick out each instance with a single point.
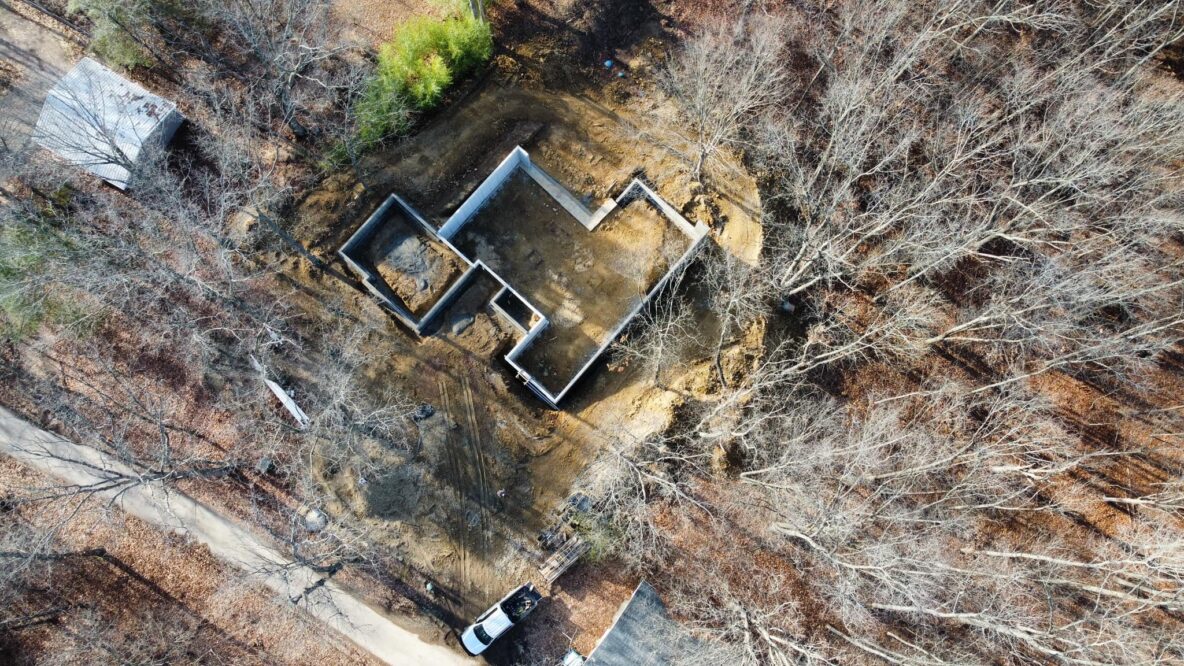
(33, 55)
(416, 267)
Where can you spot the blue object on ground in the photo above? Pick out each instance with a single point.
(608, 64)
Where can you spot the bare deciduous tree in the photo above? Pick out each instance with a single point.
(291, 51)
(661, 334)
(721, 79)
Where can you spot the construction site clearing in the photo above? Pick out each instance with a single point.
(474, 507)
(569, 279)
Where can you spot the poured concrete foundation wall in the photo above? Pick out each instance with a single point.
(484, 191)
(351, 253)
(354, 250)
(697, 233)
(520, 159)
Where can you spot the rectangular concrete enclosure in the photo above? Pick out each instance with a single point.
(404, 265)
(571, 277)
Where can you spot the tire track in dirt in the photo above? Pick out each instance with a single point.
(465, 468)
(454, 469)
(476, 445)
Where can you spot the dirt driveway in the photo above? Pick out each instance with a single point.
(32, 58)
(173, 511)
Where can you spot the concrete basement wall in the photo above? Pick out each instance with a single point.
(697, 233)
(518, 158)
(484, 191)
(355, 248)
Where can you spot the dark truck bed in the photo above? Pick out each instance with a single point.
(519, 604)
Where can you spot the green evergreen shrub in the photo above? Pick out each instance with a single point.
(415, 69)
(110, 38)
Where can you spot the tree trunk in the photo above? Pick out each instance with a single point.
(478, 9)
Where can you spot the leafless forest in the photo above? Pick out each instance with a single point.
(964, 445)
(957, 438)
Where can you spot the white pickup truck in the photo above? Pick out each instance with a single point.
(512, 609)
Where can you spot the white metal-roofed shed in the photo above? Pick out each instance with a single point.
(102, 122)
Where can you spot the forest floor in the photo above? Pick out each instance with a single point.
(374, 21)
(170, 570)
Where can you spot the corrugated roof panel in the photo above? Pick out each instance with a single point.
(98, 120)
